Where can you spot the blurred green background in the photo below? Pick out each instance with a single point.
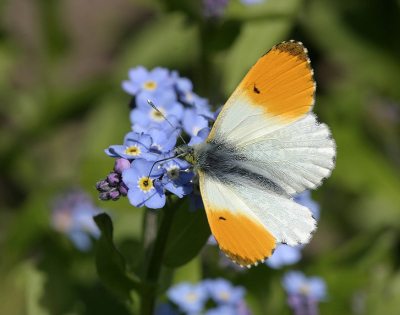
(61, 105)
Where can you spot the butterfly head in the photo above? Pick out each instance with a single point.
(186, 152)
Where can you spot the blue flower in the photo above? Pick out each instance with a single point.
(188, 297)
(142, 81)
(73, 215)
(135, 146)
(284, 255)
(222, 310)
(296, 283)
(164, 125)
(195, 199)
(175, 179)
(166, 103)
(144, 188)
(223, 292)
(161, 141)
(192, 122)
(305, 200)
(184, 88)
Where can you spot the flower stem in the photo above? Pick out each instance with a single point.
(154, 264)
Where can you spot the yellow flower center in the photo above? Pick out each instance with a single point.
(132, 150)
(304, 289)
(156, 115)
(149, 85)
(191, 297)
(145, 184)
(225, 296)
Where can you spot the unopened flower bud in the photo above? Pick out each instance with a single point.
(104, 196)
(113, 179)
(114, 194)
(123, 189)
(121, 165)
(103, 185)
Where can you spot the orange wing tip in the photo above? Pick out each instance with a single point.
(243, 262)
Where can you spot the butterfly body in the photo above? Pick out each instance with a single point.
(265, 147)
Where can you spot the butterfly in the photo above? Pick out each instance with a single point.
(265, 147)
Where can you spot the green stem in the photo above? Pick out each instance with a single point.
(154, 267)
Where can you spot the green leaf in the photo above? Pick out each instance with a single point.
(189, 232)
(111, 265)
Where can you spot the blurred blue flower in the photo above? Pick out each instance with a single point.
(73, 216)
(223, 292)
(135, 146)
(151, 82)
(222, 310)
(175, 179)
(214, 8)
(305, 200)
(188, 297)
(296, 283)
(304, 293)
(192, 122)
(166, 103)
(284, 255)
(161, 141)
(251, 2)
(144, 188)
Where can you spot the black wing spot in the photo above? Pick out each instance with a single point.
(256, 90)
(222, 218)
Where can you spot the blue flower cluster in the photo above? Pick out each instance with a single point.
(73, 216)
(304, 293)
(190, 298)
(149, 169)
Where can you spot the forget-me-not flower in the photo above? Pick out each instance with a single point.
(304, 293)
(223, 292)
(175, 179)
(73, 215)
(142, 81)
(284, 255)
(188, 297)
(135, 146)
(166, 103)
(144, 188)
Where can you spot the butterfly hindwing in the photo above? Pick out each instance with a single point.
(248, 221)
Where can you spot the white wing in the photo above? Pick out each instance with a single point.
(297, 156)
(248, 221)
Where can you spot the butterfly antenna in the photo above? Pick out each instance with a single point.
(158, 111)
(167, 160)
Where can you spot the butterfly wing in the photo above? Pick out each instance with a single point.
(268, 120)
(248, 220)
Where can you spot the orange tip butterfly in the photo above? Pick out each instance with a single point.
(265, 147)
